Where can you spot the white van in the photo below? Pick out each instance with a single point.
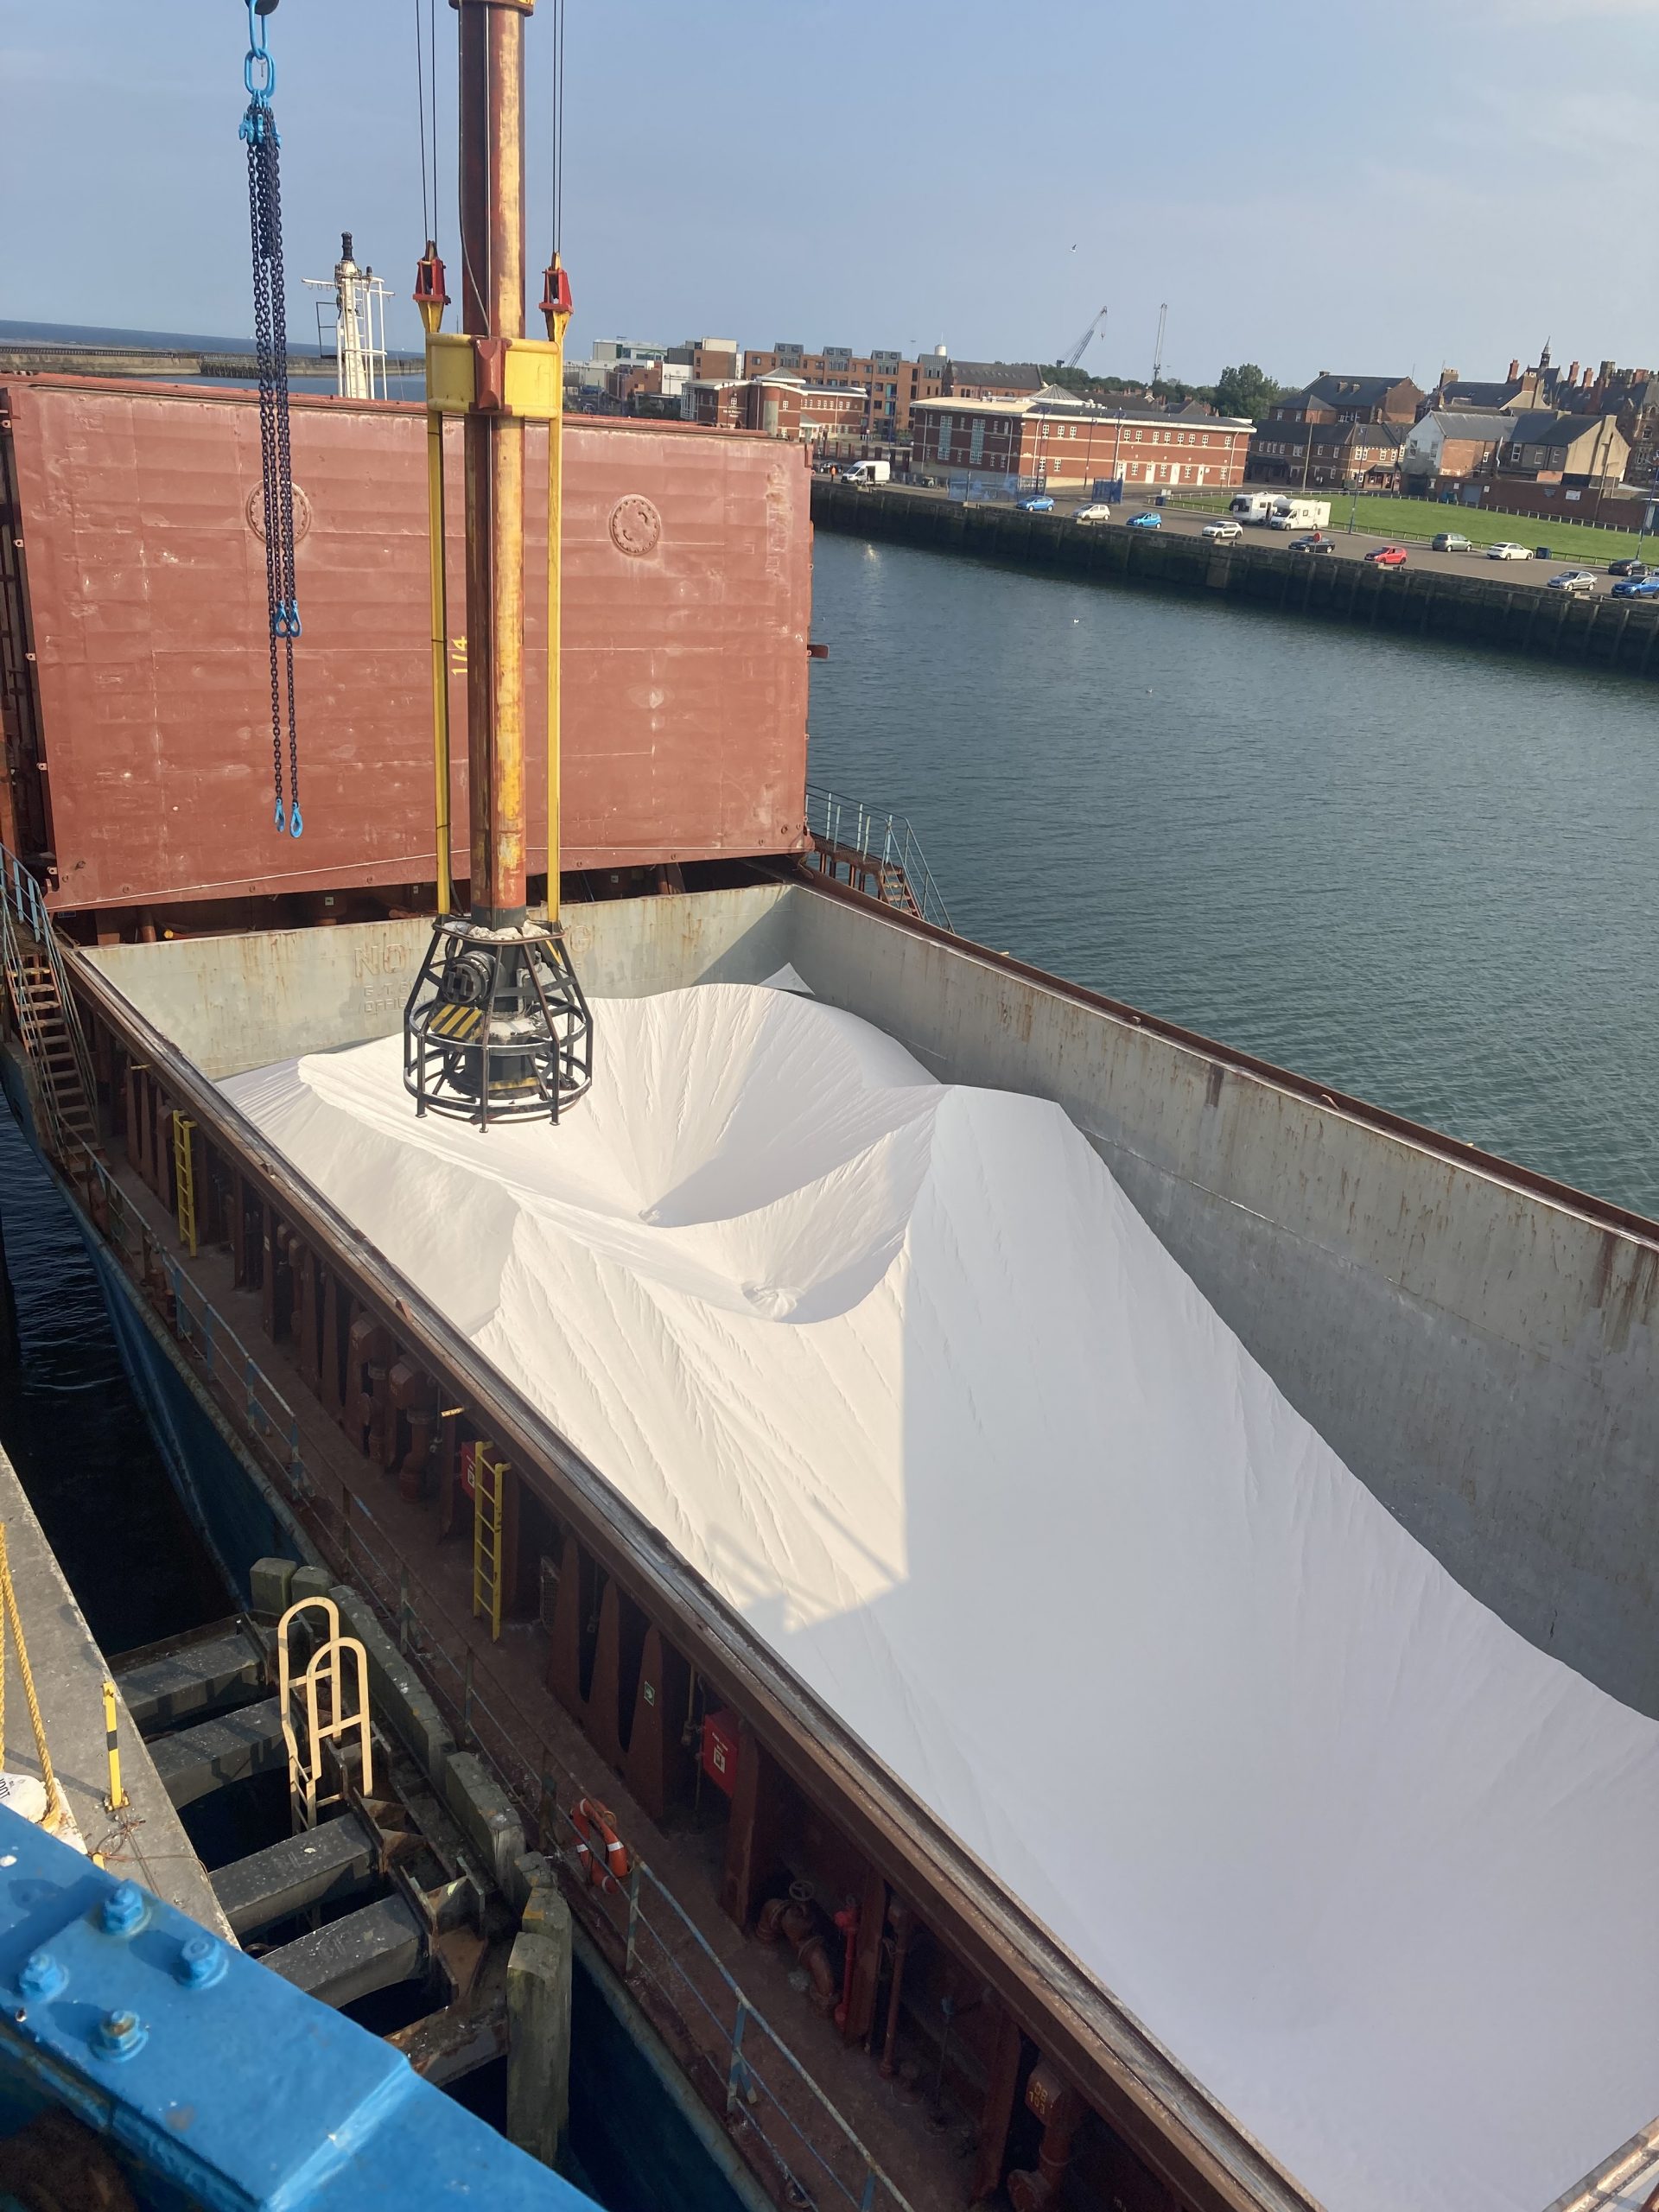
(1256, 506)
(868, 472)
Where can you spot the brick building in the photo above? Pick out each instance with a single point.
(782, 406)
(1054, 437)
(894, 385)
(1443, 448)
(1333, 397)
(1587, 451)
(1328, 456)
(708, 359)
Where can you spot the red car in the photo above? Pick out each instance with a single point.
(1388, 556)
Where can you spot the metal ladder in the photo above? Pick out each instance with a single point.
(184, 1179)
(487, 1533)
(43, 1009)
(894, 889)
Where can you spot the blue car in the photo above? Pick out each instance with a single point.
(1637, 587)
(1042, 505)
(1148, 521)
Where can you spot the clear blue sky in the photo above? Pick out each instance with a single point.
(1308, 184)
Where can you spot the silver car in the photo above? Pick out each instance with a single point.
(1222, 532)
(1580, 582)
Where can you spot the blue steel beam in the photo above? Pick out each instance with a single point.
(211, 2080)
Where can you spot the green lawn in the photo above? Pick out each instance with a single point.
(1421, 520)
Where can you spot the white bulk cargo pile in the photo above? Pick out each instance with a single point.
(899, 1370)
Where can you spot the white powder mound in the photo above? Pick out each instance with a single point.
(899, 1369)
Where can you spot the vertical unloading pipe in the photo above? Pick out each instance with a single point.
(496, 1024)
(431, 299)
(440, 656)
(493, 305)
(556, 310)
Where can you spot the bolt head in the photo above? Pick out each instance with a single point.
(202, 1962)
(124, 1909)
(118, 2035)
(41, 1975)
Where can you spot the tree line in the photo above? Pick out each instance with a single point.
(1244, 390)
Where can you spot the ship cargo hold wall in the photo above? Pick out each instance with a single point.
(133, 643)
(1477, 1342)
(1480, 1340)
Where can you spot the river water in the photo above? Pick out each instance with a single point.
(1426, 875)
(74, 1430)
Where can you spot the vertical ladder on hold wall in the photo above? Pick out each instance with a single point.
(184, 1178)
(488, 1483)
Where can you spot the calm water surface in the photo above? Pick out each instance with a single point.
(74, 1432)
(1428, 877)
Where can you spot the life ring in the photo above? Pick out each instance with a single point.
(602, 1850)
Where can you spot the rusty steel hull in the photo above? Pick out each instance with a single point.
(133, 627)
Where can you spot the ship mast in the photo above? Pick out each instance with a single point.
(496, 1026)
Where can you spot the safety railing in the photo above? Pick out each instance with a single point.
(886, 842)
(21, 908)
(816, 2154)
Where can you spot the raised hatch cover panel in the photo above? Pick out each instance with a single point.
(687, 600)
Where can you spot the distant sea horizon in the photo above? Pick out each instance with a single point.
(23, 332)
(87, 334)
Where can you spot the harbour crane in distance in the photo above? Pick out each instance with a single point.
(1083, 343)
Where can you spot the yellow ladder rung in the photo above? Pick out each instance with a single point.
(184, 1175)
(488, 1476)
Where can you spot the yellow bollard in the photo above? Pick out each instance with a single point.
(118, 1798)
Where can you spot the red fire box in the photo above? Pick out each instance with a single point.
(720, 1750)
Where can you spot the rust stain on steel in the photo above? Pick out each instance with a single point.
(685, 666)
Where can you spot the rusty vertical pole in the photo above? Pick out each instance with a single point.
(497, 1026)
(493, 307)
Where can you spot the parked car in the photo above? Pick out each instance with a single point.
(1506, 549)
(1449, 541)
(1388, 556)
(1637, 587)
(1040, 503)
(1222, 532)
(1579, 581)
(1315, 544)
(1097, 511)
(1635, 569)
(1148, 521)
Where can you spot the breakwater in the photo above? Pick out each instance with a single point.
(1476, 610)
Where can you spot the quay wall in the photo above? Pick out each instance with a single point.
(1472, 610)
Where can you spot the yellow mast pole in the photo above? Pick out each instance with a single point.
(431, 299)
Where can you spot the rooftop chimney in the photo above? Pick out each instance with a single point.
(1515, 372)
(1573, 373)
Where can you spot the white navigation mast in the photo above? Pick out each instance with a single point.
(360, 327)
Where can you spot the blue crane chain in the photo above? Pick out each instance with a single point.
(270, 339)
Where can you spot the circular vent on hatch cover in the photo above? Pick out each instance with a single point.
(636, 526)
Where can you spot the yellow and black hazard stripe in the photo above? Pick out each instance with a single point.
(457, 1024)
